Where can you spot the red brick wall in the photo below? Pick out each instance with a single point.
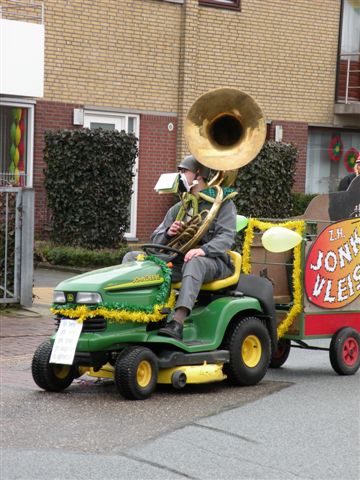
(296, 133)
(48, 116)
(157, 155)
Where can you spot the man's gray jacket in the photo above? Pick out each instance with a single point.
(220, 236)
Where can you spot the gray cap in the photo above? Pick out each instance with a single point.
(190, 163)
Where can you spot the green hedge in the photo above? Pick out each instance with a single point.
(265, 184)
(76, 256)
(88, 181)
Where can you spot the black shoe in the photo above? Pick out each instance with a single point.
(151, 326)
(173, 329)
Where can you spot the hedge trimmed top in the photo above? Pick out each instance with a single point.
(88, 182)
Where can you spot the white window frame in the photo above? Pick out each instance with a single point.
(15, 102)
(112, 117)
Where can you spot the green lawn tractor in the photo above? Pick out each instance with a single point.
(117, 312)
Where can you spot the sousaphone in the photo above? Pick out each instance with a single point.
(224, 129)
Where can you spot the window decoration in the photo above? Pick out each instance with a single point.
(16, 167)
(335, 148)
(13, 145)
(350, 159)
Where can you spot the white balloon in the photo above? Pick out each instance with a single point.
(280, 239)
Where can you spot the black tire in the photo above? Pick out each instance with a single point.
(136, 371)
(279, 357)
(250, 349)
(345, 351)
(50, 376)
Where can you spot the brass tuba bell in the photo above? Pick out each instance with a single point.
(225, 129)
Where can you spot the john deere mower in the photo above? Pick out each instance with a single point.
(118, 311)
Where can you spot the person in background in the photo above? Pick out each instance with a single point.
(346, 181)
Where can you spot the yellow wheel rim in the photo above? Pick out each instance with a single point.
(251, 351)
(61, 371)
(143, 373)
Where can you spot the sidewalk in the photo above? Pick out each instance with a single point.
(22, 330)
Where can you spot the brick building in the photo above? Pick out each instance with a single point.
(139, 65)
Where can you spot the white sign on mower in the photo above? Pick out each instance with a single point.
(66, 340)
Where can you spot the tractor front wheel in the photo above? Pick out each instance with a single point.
(50, 376)
(345, 351)
(250, 349)
(136, 370)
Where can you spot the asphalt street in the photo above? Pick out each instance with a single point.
(302, 421)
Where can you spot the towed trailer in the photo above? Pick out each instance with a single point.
(316, 284)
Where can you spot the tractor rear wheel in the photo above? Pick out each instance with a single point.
(250, 349)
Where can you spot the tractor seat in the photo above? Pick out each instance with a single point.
(224, 282)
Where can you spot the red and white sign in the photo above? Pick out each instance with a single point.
(332, 271)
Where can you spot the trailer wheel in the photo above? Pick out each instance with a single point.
(250, 349)
(345, 351)
(136, 370)
(280, 356)
(50, 376)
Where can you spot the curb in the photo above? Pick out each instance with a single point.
(21, 313)
(62, 268)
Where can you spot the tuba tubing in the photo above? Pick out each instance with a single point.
(189, 237)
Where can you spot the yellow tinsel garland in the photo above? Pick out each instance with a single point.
(299, 227)
(83, 312)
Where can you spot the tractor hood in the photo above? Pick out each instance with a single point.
(132, 281)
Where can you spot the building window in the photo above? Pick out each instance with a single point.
(130, 124)
(16, 144)
(228, 4)
(330, 157)
(348, 85)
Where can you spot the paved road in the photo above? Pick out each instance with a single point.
(301, 422)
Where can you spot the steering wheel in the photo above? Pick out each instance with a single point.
(162, 251)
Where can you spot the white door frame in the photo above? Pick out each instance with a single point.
(121, 122)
